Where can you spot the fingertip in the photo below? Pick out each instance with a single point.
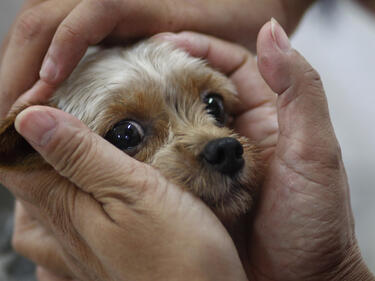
(49, 71)
(60, 61)
(272, 52)
(25, 115)
(36, 124)
(265, 39)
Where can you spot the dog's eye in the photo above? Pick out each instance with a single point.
(215, 107)
(126, 135)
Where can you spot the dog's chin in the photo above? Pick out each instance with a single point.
(237, 199)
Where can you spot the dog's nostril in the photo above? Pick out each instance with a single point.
(225, 155)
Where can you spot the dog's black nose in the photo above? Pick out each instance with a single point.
(225, 155)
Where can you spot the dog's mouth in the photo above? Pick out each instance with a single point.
(237, 197)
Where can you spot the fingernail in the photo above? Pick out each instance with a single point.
(36, 125)
(49, 70)
(279, 36)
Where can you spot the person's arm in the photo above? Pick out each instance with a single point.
(57, 33)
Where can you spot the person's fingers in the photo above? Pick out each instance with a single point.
(33, 241)
(75, 34)
(306, 131)
(92, 21)
(29, 41)
(78, 154)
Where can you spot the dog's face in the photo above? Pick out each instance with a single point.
(162, 107)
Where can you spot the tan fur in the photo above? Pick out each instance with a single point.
(162, 89)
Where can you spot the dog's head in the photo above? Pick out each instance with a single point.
(161, 107)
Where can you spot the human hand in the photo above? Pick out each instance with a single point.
(34, 240)
(57, 33)
(110, 216)
(303, 227)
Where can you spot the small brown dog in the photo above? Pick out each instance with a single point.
(162, 107)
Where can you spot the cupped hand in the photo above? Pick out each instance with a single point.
(303, 227)
(98, 214)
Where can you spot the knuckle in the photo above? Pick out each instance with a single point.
(153, 183)
(30, 24)
(312, 79)
(68, 33)
(147, 182)
(76, 152)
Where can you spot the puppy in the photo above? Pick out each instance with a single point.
(163, 107)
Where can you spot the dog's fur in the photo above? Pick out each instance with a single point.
(162, 89)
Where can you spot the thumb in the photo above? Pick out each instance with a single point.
(78, 154)
(304, 122)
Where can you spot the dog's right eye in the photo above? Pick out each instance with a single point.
(126, 135)
(215, 107)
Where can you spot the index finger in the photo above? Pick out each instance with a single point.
(90, 23)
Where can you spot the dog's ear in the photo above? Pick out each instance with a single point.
(14, 150)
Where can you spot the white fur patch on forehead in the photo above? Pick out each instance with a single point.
(159, 60)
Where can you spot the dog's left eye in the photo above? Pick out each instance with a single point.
(215, 107)
(126, 135)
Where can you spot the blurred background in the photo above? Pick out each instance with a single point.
(338, 38)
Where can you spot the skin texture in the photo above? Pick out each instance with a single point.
(302, 228)
(57, 33)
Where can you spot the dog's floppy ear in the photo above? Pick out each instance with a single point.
(14, 150)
